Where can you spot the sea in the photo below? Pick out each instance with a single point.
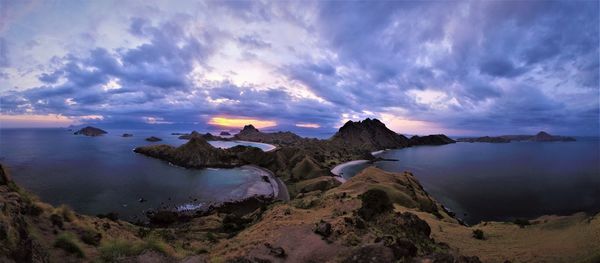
(477, 181)
(503, 181)
(98, 175)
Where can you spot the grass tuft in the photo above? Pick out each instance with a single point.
(68, 243)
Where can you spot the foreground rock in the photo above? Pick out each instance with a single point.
(90, 131)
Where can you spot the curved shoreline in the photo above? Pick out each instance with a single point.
(337, 170)
(268, 147)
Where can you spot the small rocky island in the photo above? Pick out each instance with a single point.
(90, 131)
(225, 133)
(539, 137)
(127, 135)
(153, 139)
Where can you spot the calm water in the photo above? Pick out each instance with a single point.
(102, 174)
(504, 181)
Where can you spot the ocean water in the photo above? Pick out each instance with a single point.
(486, 181)
(102, 174)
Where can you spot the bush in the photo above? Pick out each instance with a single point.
(115, 249)
(111, 216)
(68, 243)
(90, 237)
(66, 213)
(478, 234)
(521, 222)
(374, 202)
(56, 220)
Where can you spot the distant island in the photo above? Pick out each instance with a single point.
(153, 139)
(90, 131)
(224, 133)
(539, 137)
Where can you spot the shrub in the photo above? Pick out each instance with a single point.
(90, 237)
(67, 242)
(478, 234)
(374, 202)
(521, 222)
(66, 213)
(115, 249)
(56, 220)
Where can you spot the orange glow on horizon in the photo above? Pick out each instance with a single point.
(308, 125)
(34, 120)
(239, 122)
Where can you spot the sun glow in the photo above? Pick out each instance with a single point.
(239, 122)
(34, 120)
(308, 125)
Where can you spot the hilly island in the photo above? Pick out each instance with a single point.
(374, 216)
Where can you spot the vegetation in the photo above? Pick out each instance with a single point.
(374, 202)
(521, 222)
(115, 249)
(68, 243)
(478, 234)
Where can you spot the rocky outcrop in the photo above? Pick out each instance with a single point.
(436, 139)
(153, 139)
(369, 134)
(90, 131)
(224, 133)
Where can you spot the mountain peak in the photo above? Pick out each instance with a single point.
(249, 128)
(370, 134)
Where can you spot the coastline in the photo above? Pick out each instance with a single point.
(337, 170)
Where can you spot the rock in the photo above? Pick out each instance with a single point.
(413, 225)
(4, 177)
(153, 139)
(323, 228)
(127, 135)
(403, 248)
(372, 253)
(162, 217)
(90, 131)
(275, 251)
(224, 133)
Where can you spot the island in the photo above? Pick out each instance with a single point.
(127, 135)
(153, 139)
(90, 131)
(224, 133)
(539, 137)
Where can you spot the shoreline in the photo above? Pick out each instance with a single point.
(337, 170)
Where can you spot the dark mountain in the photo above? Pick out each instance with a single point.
(370, 134)
(249, 133)
(435, 139)
(545, 137)
(540, 137)
(90, 131)
(485, 139)
(153, 139)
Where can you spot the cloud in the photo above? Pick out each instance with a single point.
(464, 67)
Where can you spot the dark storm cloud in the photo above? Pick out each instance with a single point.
(481, 65)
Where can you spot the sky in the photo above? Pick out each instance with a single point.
(453, 67)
